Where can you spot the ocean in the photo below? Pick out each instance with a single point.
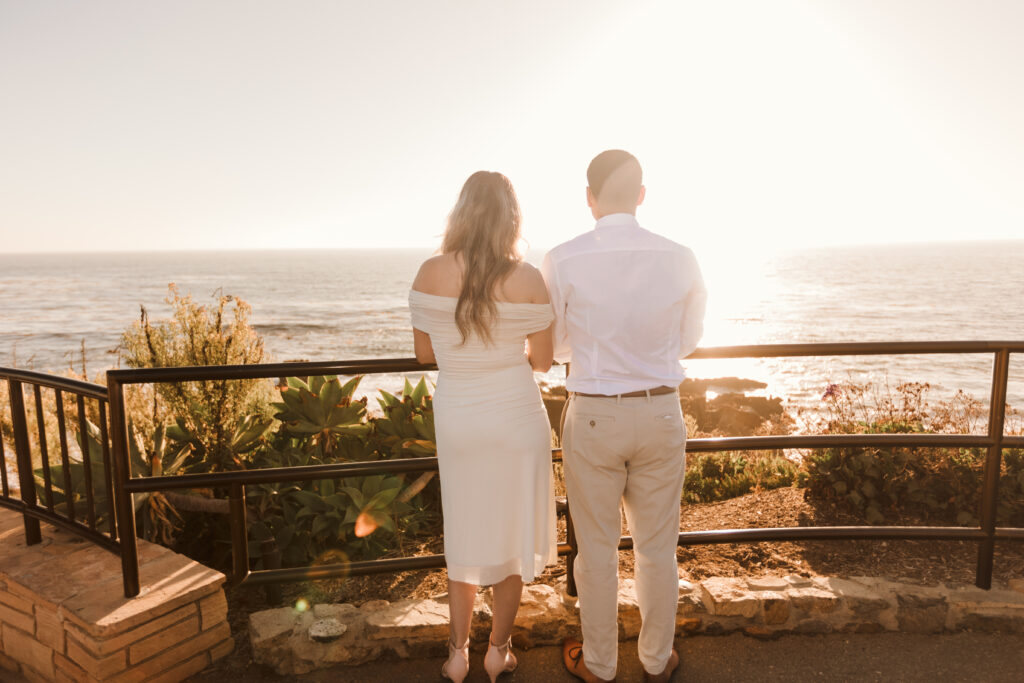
(349, 304)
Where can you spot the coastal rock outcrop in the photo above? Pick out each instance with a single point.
(731, 412)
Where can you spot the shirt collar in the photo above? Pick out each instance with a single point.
(617, 220)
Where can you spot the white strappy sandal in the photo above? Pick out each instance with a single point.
(457, 666)
(499, 659)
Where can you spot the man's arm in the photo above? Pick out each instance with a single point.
(693, 311)
(560, 336)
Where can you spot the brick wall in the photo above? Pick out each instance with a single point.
(64, 617)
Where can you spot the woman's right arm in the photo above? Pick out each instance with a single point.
(420, 339)
(540, 349)
(540, 346)
(424, 349)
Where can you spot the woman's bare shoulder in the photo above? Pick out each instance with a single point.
(439, 275)
(526, 286)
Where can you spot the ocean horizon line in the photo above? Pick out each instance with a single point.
(413, 248)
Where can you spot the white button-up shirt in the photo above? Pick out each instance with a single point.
(629, 304)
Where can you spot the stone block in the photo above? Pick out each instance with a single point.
(686, 586)
(213, 609)
(409, 620)
(66, 670)
(50, 628)
(182, 671)
(923, 611)
(813, 600)
(1017, 585)
(18, 619)
(271, 624)
(980, 610)
(188, 650)
(222, 650)
(23, 648)
(32, 676)
(767, 583)
(797, 581)
(169, 582)
(813, 627)
(866, 605)
(97, 667)
(15, 602)
(691, 605)
(8, 664)
(727, 597)
(628, 610)
(343, 612)
(100, 647)
(988, 619)
(483, 617)
(542, 617)
(163, 639)
(775, 607)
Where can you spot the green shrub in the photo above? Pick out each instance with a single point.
(883, 484)
(210, 411)
(719, 476)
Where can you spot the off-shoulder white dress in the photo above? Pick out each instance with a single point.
(493, 444)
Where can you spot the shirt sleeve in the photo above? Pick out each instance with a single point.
(694, 308)
(549, 271)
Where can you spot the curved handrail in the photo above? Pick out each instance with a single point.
(42, 379)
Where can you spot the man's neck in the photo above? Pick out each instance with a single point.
(601, 213)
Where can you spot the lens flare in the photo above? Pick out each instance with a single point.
(301, 605)
(366, 524)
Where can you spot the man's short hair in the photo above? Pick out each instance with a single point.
(615, 176)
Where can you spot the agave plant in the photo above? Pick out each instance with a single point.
(407, 428)
(322, 409)
(247, 434)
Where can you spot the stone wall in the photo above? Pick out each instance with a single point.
(294, 642)
(64, 617)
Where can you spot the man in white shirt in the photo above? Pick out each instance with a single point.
(629, 304)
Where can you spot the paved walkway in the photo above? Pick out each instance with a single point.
(968, 656)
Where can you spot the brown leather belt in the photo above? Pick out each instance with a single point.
(656, 391)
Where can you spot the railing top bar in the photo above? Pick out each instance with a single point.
(55, 382)
(281, 474)
(191, 374)
(208, 372)
(855, 349)
(739, 443)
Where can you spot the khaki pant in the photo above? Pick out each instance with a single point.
(631, 450)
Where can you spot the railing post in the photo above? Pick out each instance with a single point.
(239, 534)
(122, 499)
(23, 456)
(570, 530)
(993, 465)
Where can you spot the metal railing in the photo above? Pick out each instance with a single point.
(84, 517)
(986, 534)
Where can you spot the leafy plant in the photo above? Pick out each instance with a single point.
(720, 476)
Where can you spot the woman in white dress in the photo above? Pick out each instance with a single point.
(483, 315)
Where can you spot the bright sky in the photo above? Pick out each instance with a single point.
(205, 124)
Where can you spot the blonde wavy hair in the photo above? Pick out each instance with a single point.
(483, 229)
